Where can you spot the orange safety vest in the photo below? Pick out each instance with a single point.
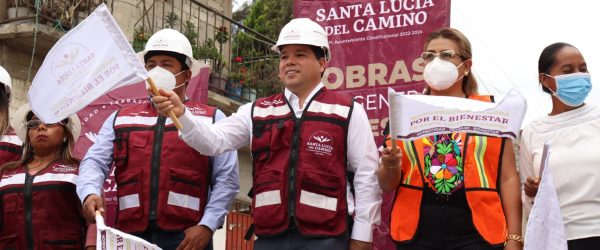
(482, 162)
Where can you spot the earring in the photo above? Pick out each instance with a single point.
(466, 73)
(65, 139)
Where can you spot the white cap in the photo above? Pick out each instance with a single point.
(20, 119)
(5, 80)
(303, 31)
(173, 41)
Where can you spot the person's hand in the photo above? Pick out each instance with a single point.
(359, 245)
(390, 158)
(513, 245)
(168, 101)
(92, 203)
(531, 186)
(196, 237)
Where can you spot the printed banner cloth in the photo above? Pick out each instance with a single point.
(90, 60)
(416, 116)
(545, 228)
(109, 238)
(375, 45)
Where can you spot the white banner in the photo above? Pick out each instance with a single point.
(90, 60)
(416, 116)
(545, 228)
(109, 238)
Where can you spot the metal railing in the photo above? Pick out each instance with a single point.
(61, 14)
(223, 42)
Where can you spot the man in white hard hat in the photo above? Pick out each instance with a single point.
(168, 193)
(11, 146)
(314, 156)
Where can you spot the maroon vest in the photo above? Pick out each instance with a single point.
(11, 147)
(159, 177)
(300, 165)
(41, 211)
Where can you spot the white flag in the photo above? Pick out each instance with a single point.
(109, 238)
(90, 60)
(545, 228)
(415, 116)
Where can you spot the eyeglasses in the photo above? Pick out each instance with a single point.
(34, 123)
(445, 55)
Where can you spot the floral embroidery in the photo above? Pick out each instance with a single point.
(443, 162)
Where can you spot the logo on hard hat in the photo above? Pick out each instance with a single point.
(160, 43)
(292, 35)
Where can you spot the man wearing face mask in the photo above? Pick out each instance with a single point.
(168, 193)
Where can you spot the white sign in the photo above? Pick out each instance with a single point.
(109, 238)
(90, 60)
(416, 116)
(545, 228)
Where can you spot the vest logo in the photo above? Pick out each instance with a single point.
(268, 103)
(320, 143)
(64, 168)
(197, 111)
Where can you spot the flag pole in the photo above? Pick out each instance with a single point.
(392, 135)
(171, 114)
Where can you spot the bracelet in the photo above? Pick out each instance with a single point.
(515, 237)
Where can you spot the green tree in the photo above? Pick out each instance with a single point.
(266, 17)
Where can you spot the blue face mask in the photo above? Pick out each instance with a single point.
(572, 89)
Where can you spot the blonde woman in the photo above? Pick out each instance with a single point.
(458, 190)
(40, 208)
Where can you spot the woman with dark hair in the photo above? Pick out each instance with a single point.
(10, 144)
(40, 209)
(458, 190)
(571, 129)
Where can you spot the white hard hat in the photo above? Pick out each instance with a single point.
(5, 80)
(173, 41)
(20, 118)
(303, 31)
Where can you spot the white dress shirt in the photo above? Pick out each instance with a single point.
(235, 132)
(574, 139)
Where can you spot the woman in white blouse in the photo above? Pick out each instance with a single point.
(572, 129)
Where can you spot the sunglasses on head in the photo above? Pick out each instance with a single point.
(34, 123)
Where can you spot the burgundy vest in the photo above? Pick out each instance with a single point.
(11, 147)
(159, 177)
(41, 211)
(299, 170)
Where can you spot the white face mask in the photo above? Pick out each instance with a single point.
(440, 74)
(163, 79)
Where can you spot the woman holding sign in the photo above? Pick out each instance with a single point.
(40, 209)
(571, 129)
(458, 190)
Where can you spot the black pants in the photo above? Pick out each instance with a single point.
(443, 227)
(592, 243)
(292, 239)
